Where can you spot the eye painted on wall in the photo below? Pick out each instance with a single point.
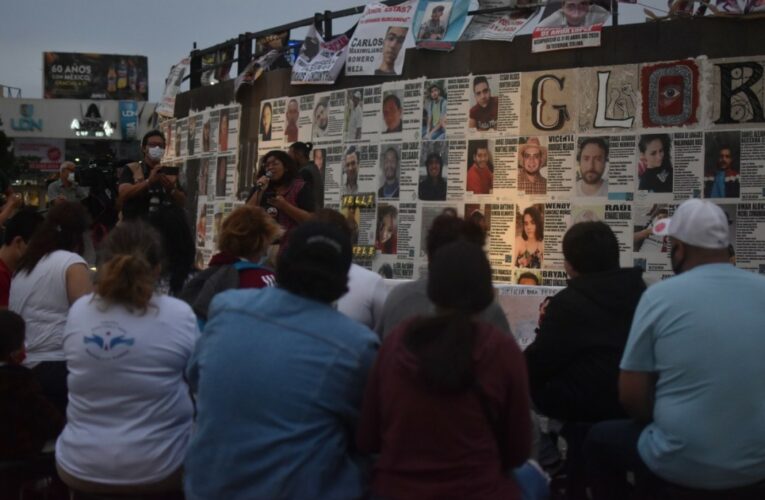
(671, 95)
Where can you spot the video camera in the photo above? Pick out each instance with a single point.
(97, 173)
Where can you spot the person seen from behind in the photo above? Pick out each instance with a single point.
(447, 405)
(245, 237)
(50, 276)
(293, 370)
(130, 414)
(27, 418)
(411, 298)
(367, 291)
(690, 376)
(573, 363)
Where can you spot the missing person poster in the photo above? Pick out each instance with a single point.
(381, 38)
(319, 62)
(438, 24)
(570, 24)
(524, 155)
(500, 26)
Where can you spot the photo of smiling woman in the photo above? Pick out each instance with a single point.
(529, 244)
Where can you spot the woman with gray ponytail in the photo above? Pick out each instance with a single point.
(126, 346)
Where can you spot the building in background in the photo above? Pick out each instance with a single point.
(95, 110)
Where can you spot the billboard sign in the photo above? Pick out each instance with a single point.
(69, 75)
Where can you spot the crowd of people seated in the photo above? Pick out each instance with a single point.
(296, 374)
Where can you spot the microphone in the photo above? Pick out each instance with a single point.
(260, 186)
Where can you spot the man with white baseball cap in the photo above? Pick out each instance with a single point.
(691, 374)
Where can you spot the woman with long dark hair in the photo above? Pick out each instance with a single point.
(655, 168)
(130, 414)
(529, 245)
(265, 121)
(50, 276)
(281, 192)
(447, 403)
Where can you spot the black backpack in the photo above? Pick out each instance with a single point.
(201, 289)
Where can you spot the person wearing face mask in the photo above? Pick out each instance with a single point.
(143, 188)
(149, 193)
(66, 188)
(695, 341)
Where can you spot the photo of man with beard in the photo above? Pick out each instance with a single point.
(592, 158)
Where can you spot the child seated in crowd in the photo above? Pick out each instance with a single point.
(27, 419)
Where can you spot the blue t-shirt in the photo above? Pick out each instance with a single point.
(703, 334)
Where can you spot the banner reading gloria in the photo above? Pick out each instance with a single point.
(95, 76)
(570, 24)
(319, 62)
(377, 46)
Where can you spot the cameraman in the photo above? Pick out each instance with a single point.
(143, 187)
(150, 192)
(66, 188)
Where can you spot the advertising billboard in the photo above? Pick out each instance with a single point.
(69, 75)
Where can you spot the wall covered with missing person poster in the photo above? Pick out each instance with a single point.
(527, 154)
(204, 145)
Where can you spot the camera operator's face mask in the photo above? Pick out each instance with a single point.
(156, 153)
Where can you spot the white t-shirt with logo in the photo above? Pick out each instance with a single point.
(40, 298)
(130, 414)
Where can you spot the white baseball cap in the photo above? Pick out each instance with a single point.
(696, 222)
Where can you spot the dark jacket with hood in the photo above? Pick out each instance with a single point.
(574, 361)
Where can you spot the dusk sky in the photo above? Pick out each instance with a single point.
(162, 30)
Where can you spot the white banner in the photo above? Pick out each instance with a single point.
(166, 106)
(319, 62)
(501, 26)
(381, 39)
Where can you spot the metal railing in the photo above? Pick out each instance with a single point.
(8, 91)
(323, 22)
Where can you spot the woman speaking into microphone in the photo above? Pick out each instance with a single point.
(281, 192)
